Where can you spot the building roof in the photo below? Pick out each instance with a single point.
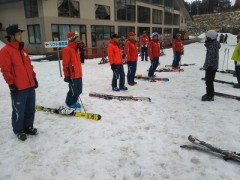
(184, 9)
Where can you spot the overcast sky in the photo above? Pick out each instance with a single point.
(232, 1)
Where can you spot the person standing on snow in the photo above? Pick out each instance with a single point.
(131, 51)
(144, 39)
(178, 51)
(82, 51)
(72, 69)
(115, 59)
(154, 54)
(18, 73)
(236, 59)
(211, 63)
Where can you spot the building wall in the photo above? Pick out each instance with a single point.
(14, 13)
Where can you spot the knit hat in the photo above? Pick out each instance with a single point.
(71, 36)
(131, 34)
(13, 29)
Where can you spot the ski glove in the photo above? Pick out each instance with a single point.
(67, 79)
(36, 82)
(13, 88)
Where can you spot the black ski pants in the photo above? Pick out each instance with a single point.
(210, 76)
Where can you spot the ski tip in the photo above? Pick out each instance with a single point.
(191, 138)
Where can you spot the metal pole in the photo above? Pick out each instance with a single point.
(59, 63)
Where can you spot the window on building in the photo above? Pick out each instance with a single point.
(102, 12)
(34, 34)
(124, 30)
(101, 33)
(158, 30)
(176, 19)
(155, 2)
(68, 8)
(168, 3)
(167, 32)
(31, 8)
(168, 16)
(125, 10)
(156, 16)
(143, 14)
(60, 31)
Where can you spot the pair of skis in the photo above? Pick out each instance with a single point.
(228, 71)
(169, 70)
(205, 147)
(221, 81)
(181, 65)
(152, 79)
(120, 98)
(69, 112)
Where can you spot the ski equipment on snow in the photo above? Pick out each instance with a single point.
(69, 112)
(181, 65)
(139, 76)
(205, 147)
(120, 98)
(227, 96)
(169, 70)
(221, 81)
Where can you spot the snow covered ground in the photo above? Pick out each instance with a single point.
(134, 140)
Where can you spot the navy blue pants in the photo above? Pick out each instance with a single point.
(118, 73)
(132, 66)
(153, 67)
(75, 89)
(23, 109)
(176, 60)
(144, 53)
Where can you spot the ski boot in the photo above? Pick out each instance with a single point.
(21, 136)
(31, 131)
(237, 85)
(207, 98)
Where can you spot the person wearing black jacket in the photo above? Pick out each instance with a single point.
(211, 63)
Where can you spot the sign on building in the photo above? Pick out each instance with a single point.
(55, 44)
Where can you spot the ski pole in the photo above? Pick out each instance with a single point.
(227, 57)
(82, 104)
(225, 51)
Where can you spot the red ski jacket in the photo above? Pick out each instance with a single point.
(131, 50)
(114, 53)
(16, 66)
(71, 61)
(144, 40)
(177, 45)
(153, 49)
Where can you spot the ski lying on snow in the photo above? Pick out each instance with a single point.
(227, 96)
(139, 76)
(169, 70)
(221, 81)
(228, 71)
(120, 98)
(205, 147)
(181, 65)
(69, 112)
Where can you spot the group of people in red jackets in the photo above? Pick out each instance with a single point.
(19, 74)
(149, 48)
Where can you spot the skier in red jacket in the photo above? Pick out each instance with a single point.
(154, 54)
(115, 59)
(144, 40)
(178, 50)
(19, 75)
(72, 69)
(131, 51)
